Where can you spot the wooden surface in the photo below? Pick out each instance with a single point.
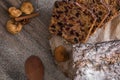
(33, 40)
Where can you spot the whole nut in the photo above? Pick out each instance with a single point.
(14, 12)
(61, 54)
(27, 8)
(34, 68)
(14, 27)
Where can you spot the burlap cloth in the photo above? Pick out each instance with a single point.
(33, 40)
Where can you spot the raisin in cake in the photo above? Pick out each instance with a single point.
(71, 21)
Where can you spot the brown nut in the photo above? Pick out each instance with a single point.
(14, 12)
(34, 68)
(14, 27)
(61, 54)
(27, 8)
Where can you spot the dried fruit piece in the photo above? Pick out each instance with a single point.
(14, 27)
(72, 21)
(27, 7)
(61, 54)
(14, 12)
(34, 68)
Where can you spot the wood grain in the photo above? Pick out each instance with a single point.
(33, 40)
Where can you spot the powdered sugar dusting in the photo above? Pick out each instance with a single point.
(90, 74)
(97, 62)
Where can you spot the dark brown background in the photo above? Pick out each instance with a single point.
(33, 40)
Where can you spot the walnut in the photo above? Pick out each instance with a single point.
(61, 54)
(27, 8)
(14, 27)
(14, 12)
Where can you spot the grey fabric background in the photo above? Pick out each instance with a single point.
(33, 40)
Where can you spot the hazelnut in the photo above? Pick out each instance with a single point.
(14, 27)
(34, 68)
(61, 54)
(27, 8)
(14, 12)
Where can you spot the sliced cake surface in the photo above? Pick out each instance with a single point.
(114, 6)
(72, 21)
(76, 20)
(105, 10)
(99, 8)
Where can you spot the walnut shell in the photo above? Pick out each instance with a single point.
(14, 12)
(14, 27)
(27, 8)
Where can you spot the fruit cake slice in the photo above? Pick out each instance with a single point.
(99, 8)
(72, 21)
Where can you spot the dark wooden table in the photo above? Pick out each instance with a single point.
(32, 40)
